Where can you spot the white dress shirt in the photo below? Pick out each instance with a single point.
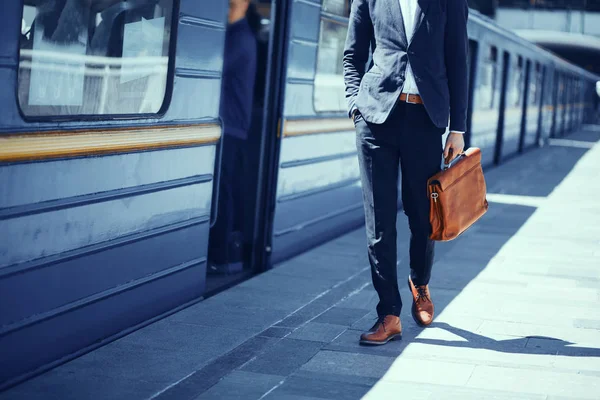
(409, 13)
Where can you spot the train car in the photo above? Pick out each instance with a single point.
(112, 149)
(521, 93)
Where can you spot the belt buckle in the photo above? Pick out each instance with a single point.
(408, 99)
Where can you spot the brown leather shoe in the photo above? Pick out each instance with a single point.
(384, 330)
(422, 307)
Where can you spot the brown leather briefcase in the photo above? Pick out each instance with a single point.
(457, 196)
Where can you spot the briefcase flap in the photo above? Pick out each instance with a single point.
(470, 159)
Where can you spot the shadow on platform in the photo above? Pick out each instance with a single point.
(518, 345)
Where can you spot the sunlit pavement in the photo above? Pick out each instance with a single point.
(517, 302)
(528, 325)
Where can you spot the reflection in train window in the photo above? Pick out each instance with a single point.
(94, 58)
(517, 83)
(329, 92)
(338, 7)
(535, 85)
(486, 89)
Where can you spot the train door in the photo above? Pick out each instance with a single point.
(502, 120)
(526, 113)
(544, 113)
(558, 105)
(473, 56)
(253, 61)
(568, 104)
(561, 104)
(512, 112)
(319, 193)
(486, 93)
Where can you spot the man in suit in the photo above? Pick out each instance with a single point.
(416, 82)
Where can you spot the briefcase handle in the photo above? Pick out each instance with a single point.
(446, 165)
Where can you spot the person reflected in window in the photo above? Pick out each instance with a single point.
(239, 74)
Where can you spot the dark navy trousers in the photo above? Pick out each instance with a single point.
(409, 140)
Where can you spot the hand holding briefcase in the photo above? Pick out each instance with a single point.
(457, 196)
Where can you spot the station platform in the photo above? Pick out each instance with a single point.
(517, 312)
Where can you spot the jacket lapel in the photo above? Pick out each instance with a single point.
(396, 13)
(422, 6)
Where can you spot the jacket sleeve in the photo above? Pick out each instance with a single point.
(456, 58)
(356, 50)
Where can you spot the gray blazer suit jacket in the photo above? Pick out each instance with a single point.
(437, 54)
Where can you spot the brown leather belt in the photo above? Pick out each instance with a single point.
(411, 98)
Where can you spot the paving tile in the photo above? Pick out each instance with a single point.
(285, 396)
(254, 297)
(322, 389)
(480, 356)
(575, 311)
(338, 378)
(429, 371)
(133, 362)
(241, 385)
(65, 385)
(283, 358)
(448, 335)
(306, 288)
(202, 379)
(253, 320)
(533, 291)
(322, 304)
(342, 316)
(332, 362)
(366, 322)
(365, 299)
(562, 347)
(587, 323)
(535, 382)
(276, 332)
(305, 314)
(348, 342)
(384, 390)
(320, 265)
(318, 332)
(196, 343)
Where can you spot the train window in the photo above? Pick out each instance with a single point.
(535, 84)
(517, 83)
(329, 78)
(487, 79)
(337, 7)
(98, 57)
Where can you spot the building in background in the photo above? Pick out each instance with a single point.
(485, 7)
(575, 16)
(568, 28)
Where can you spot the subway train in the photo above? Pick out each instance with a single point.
(111, 146)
